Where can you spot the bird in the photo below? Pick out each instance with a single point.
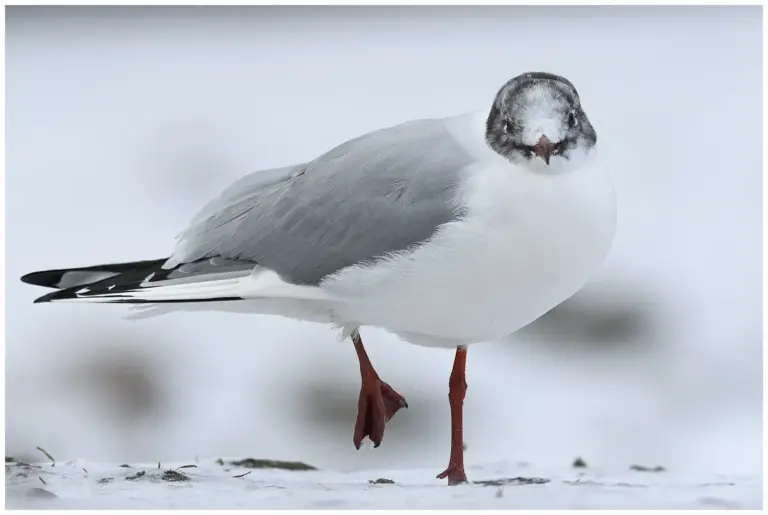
(443, 231)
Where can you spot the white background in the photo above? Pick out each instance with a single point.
(122, 122)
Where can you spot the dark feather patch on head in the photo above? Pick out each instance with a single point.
(505, 122)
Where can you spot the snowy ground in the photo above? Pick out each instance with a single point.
(213, 484)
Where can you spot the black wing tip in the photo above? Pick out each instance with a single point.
(56, 295)
(125, 300)
(51, 278)
(128, 278)
(119, 299)
(48, 278)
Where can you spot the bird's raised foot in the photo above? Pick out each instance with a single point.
(455, 475)
(378, 403)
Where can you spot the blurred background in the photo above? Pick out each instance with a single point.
(122, 122)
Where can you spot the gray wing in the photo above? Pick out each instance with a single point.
(380, 193)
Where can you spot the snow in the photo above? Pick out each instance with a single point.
(83, 485)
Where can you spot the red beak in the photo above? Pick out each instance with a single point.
(543, 148)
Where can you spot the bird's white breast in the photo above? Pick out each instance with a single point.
(529, 241)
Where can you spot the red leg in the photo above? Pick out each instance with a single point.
(378, 401)
(456, 392)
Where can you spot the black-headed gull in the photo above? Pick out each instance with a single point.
(445, 232)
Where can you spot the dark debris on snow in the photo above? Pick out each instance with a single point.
(252, 463)
(642, 468)
(381, 481)
(512, 481)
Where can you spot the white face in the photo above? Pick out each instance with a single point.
(538, 118)
(537, 121)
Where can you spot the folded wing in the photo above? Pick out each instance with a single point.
(380, 193)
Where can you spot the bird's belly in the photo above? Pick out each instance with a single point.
(481, 286)
(480, 295)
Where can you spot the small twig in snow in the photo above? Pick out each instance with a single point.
(243, 475)
(47, 455)
(43, 481)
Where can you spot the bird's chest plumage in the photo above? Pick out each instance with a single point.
(527, 243)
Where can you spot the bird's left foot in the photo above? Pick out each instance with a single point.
(455, 475)
(377, 405)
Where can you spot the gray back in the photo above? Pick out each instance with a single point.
(380, 193)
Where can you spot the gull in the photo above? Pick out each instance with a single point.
(445, 232)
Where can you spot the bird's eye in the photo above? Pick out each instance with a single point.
(573, 121)
(507, 127)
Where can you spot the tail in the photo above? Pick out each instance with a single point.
(143, 282)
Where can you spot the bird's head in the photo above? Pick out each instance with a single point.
(537, 121)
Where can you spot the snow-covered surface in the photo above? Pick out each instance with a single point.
(212, 485)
